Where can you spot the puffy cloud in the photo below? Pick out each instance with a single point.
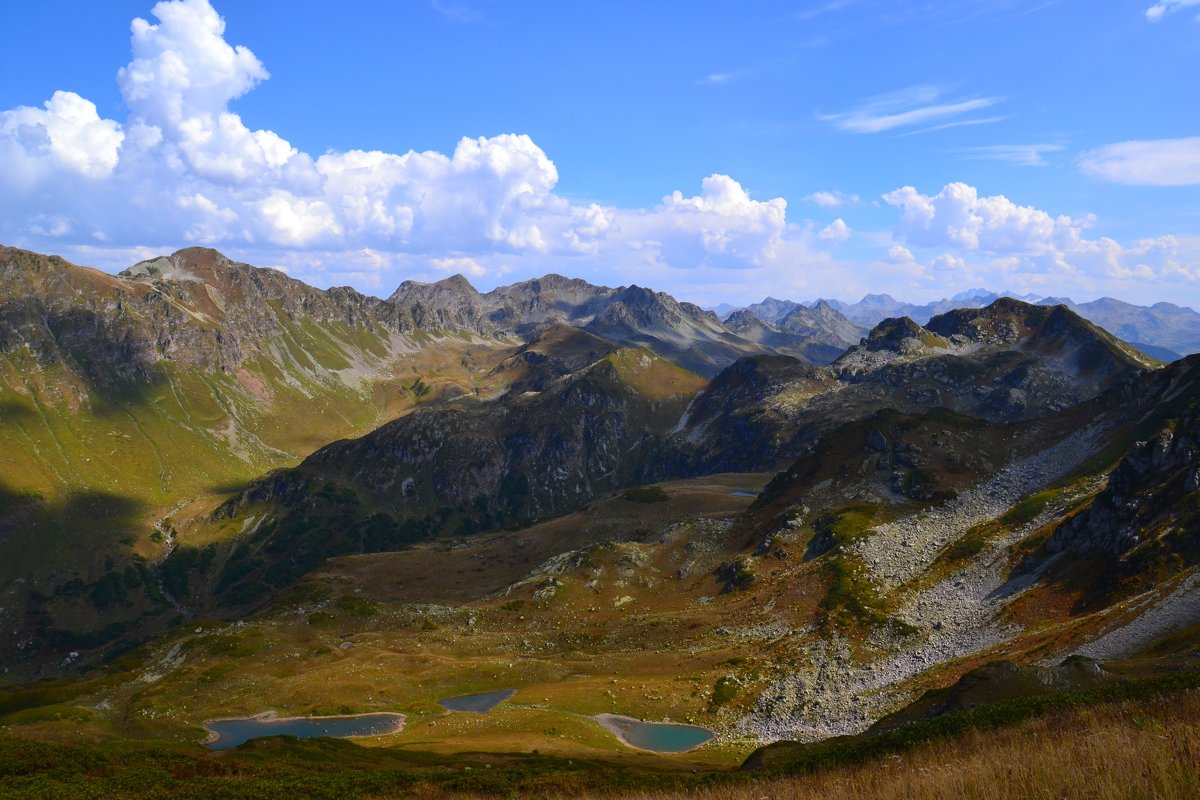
(1156, 162)
(836, 231)
(1003, 237)
(184, 167)
(183, 68)
(721, 226)
(67, 134)
(1156, 12)
(490, 192)
(957, 216)
(296, 222)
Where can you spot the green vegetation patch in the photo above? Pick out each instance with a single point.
(852, 599)
(1028, 509)
(725, 690)
(356, 606)
(52, 713)
(646, 494)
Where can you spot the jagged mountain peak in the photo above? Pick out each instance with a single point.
(772, 309)
(972, 294)
(454, 285)
(1016, 323)
(457, 283)
(196, 264)
(551, 283)
(903, 336)
(822, 322)
(638, 295)
(744, 320)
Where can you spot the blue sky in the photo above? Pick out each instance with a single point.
(718, 151)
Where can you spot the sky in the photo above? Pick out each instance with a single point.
(718, 151)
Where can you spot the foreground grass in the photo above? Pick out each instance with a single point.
(1129, 750)
(1141, 740)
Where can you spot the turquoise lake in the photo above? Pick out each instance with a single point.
(479, 703)
(232, 732)
(659, 737)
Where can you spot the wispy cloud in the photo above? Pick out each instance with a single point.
(915, 105)
(962, 123)
(833, 199)
(457, 11)
(1154, 162)
(820, 9)
(1156, 12)
(725, 78)
(1023, 155)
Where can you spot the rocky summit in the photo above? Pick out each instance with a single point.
(225, 493)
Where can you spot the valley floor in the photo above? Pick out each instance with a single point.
(1148, 748)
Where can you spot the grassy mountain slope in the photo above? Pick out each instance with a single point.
(125, 397)
(458, 468)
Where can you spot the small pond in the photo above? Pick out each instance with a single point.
(228, 733)
(658, 737)
(479, 703)
(743, 493)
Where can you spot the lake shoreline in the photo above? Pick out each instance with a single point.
(273, 716)
(477, 703)
(610, 723)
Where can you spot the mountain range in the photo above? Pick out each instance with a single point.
(224, 492)
(1163, 331)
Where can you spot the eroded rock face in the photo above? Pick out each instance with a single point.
(1150, 495)
(461, 468)
(1009, 362)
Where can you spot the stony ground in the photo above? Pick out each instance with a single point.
(1177, 610)
(837, 694)
(899, 551)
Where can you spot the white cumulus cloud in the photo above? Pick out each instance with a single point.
(184, 167)
(836, 231)
(66, 133)
(182, 67)
(964, 229)
(721, 226)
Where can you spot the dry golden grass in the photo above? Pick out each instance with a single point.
(1134, 750)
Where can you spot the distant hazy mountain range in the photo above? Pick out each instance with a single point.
(1164, 330)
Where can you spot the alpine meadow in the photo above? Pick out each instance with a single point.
(378, 419)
